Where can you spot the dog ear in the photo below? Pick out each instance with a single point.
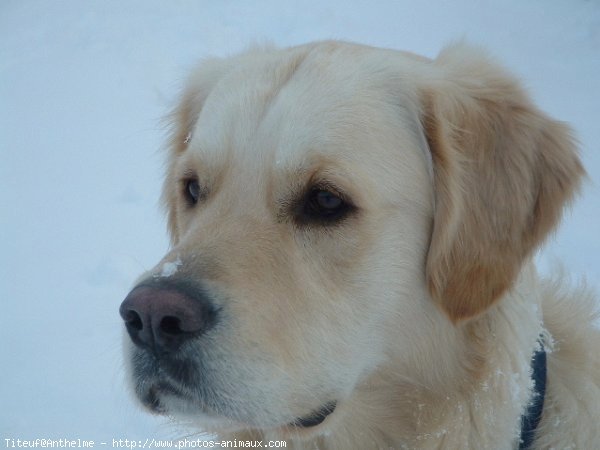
(503, 171)
(181, 122)
(184, 116)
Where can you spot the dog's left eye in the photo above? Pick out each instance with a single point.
(324, 206)
(325, 201)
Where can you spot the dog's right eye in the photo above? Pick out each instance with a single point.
(192, 191)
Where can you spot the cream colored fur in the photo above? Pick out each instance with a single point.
(420, 313)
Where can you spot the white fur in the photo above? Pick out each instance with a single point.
(346, 313)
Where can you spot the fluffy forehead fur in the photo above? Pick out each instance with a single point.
(291, 115)
(418, 313)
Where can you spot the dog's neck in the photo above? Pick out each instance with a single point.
(394, 409)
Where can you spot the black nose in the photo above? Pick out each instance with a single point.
(161, 316)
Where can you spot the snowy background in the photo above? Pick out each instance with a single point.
(83, 85)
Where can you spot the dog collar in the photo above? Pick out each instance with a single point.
(531, 419)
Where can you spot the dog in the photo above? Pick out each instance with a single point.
(351, 267)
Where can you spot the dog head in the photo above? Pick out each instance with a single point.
(332, 207)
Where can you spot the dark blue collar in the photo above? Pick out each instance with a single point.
(531, 419)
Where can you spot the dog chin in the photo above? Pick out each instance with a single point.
(162, 399)
(174, 406)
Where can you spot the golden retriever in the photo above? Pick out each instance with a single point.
(351, 266)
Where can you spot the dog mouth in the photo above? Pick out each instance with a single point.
(316, 417)
(152, 401)
(162, 397)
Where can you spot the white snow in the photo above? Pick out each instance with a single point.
(83, 85)
(170, 268)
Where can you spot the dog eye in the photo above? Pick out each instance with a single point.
(325, 201)
(324, 206)
(192, 191)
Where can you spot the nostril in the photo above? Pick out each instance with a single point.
(162, 316)
(133, 320)
(171, 325)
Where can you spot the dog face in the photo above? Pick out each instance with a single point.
(316, 201)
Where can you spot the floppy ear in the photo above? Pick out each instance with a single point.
(503, 171)
(181, 122)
